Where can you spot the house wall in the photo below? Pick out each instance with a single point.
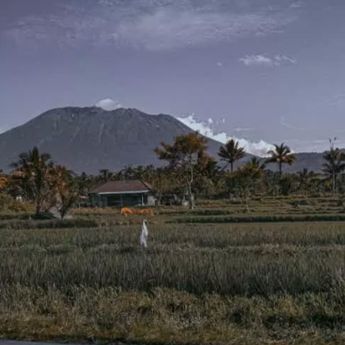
(122, 200)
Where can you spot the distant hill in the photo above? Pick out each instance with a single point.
(90, 139)
(310, 160)
(305, 160)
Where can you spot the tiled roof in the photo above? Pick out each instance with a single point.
(122, 186)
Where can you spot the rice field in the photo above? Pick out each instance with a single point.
(196, 283)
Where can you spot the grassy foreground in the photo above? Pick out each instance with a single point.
(258, 283)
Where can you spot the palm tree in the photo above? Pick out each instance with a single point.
(305, 179)
(334, 165)
(281, 154)
(231, 152)
(251, 172)
(33, 169)
(105, 175)
(255, 166)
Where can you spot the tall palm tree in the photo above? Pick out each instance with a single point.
(33, 170)
(231, 152)
(305, 179)
(255, 166)
(281, 154)
(334, 165)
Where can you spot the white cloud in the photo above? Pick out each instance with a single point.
(108, 104)
(258, 148)
(297, 4)
(154, 25)
(267, 61)
(337, 100)
(256, 60)
(283, 59)
(168, 28)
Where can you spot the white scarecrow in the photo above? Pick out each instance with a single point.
(144, 234)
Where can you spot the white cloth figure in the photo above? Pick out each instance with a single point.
(144, 234)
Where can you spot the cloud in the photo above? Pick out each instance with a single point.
(259, 148)
(256, 60)
(152, 25)
(267, 61)
(288, 125)
(313, 145)
(338, 100)
(167, 29)
(108, 104)
(297, 4)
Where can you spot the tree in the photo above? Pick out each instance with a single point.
(84, 183)
(3, 181)
(281, 154)
(65, 189)
(231, 152)
(33, 172)
(249, 174)
(305, 179)
(105, 175)
(164, 181)
(334, 165)
(185, 154)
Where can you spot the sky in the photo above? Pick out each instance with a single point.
(262, 71)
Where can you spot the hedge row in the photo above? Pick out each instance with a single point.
(48, 224)
(262, 219)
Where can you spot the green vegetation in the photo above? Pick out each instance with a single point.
(272, 283)
(258, 259)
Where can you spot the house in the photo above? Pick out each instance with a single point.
(123, 193)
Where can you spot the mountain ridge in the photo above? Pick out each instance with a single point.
(90, 138)
(87, 139)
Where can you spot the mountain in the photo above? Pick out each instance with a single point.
(307, 160)
(90, 139)
(304, 160)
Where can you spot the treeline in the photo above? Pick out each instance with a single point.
(188, 172)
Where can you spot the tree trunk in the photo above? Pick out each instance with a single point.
(190, 192)
(280, 169)
(38, 206)
(38, 210)
(190, 197)
(334, 182)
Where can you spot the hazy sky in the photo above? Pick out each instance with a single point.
(270, 70)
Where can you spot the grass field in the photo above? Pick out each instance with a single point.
(197, 283)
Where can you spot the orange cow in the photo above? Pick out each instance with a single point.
(125, 211)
